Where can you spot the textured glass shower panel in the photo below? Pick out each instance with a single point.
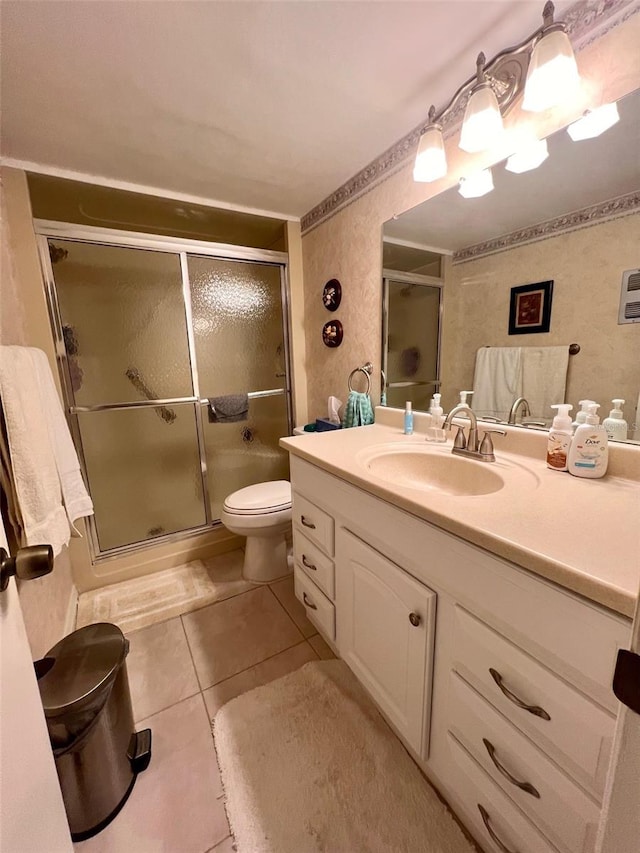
(124, 322)
(238, 326)
(240, 454)
(412, 342)
(143, 467)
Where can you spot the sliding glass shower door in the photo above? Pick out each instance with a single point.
(145, 336)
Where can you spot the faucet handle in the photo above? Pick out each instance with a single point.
(486, 446)
(460, 441)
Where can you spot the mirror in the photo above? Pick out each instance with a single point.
(574, 221)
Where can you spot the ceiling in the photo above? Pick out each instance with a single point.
(264, 105)
(574, 176)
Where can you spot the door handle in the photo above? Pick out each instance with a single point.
(29, 563)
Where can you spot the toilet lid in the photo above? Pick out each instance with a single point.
(260, 498)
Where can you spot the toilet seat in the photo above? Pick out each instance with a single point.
(260, 499)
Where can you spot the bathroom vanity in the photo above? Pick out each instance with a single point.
(480, 613)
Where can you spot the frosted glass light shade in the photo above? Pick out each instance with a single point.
(476, 185)
(553, 73)
(529, 157)
(594, 123)
(431, 162)
(482, 125)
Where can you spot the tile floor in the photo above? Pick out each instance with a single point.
(180, 672)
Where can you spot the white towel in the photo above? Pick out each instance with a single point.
(45, 465)
(497, 380)
(74, 493)
(544, 379)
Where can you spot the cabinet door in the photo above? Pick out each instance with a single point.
(385, 628)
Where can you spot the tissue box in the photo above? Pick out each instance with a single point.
(324, 425)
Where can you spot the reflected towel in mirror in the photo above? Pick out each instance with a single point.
(497, 380)
(544, 379)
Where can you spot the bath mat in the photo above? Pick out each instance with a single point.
(309, 765)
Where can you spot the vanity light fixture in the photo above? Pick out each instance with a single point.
(431, 161)
(553, 72)
(476, 185)
(594, 122)
(529, 157)
(542, 66)
(482, 124)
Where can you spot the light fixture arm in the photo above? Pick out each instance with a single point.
(506, 73)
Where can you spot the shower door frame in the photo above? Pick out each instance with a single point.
(45, 230)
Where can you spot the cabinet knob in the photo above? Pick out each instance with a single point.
(415, 619)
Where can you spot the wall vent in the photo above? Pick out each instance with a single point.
(630, 297)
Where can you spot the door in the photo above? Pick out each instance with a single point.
(237, 308)
(32, 814)
(384, 631)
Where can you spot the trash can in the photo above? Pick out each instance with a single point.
(98, 755)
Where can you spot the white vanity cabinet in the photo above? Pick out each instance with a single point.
(385, 629)
(513, 718)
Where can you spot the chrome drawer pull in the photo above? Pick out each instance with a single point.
(524, 786)
(308, 602)
(307, 523)
(487, 823)
(307, 564)
(532, 709)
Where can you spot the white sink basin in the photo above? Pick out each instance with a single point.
(435, 470)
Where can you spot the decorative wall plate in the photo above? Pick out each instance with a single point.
(332, 333)
(332, 294)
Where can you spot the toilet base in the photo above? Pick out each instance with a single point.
(265, 559)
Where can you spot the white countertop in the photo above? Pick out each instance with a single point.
(582, 534)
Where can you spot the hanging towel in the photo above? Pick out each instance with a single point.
(358, 410)
(544, 379)
(228, 409)
(37, 484)
(74, 493)
(497, 380)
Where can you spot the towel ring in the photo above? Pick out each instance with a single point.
(366, 369)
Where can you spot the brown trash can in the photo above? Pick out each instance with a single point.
(87, 705)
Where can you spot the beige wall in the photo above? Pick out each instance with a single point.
(348, 245)
(48, 601)
(586, 267)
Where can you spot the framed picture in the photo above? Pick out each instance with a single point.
(530, 308)
(332, 333)
(332, 295)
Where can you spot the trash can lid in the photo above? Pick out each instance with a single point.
(83, 663)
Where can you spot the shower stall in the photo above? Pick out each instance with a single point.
(147, 330)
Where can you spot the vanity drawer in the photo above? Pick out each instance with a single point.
(503, 826)
(319, 609)
(314, 563)
(563, 722)
(565, 813)
(314, 522)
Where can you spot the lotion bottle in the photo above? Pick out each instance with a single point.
(589, 452)
(559, 440)
(615, 424)
(408, 418)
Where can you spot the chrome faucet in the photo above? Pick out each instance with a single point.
(526, 411)
(468, 446)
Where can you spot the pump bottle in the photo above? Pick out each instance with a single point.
(589, 452)
(463, 398)
(560, 436)
(615, 424)
(436, 411)
(581, 416)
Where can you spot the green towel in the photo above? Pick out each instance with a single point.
(358, 411)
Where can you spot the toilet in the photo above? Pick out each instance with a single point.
(262, 513)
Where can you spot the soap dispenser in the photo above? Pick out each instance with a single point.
(437, 411)
(581, 416)
(589, 452)
(615, 425)
(463, 398)
(559, 440)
